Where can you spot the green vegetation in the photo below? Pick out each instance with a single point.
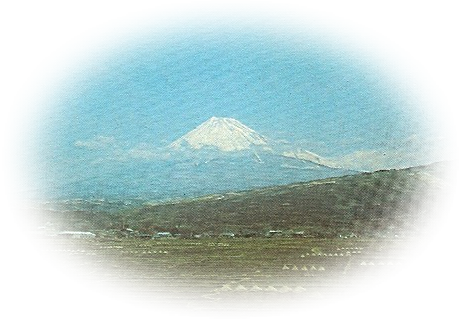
(238, 279)
(383, 203)
(320, 255)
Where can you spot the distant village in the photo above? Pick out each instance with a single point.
(48, 230)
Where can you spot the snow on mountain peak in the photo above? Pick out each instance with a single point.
(226, 134)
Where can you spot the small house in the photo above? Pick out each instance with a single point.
(77, 235)
(299, 234)
(162, 235)
(274, 233)
(227, 235)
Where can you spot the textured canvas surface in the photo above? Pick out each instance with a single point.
(227, 166)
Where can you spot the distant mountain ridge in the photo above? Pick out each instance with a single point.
(385, 203)
(193, 175)
(219, 155)
(423, 200)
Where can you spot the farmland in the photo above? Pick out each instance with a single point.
(230, 279)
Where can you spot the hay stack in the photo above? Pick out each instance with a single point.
(225, 288)
(240, 288)
(299, 289)
(271, 289)
(285, 289)
(255, 288)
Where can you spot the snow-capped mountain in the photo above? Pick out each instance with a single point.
(225, 134)
(229, 136)
(220, 155)
(310, 157)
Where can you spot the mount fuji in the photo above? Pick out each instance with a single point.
(225, 134)
(220, 155)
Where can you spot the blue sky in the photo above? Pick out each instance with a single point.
(305, 93)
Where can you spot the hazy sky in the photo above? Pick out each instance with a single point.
(83, 81)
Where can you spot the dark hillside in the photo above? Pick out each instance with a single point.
(373, 204)
(382, 203)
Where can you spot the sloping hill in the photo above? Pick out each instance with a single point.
(382, 203)
(373, 204)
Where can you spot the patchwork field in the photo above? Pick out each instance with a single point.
(235, 279)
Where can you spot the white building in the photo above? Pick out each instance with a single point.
(77, 235)
(162, 235)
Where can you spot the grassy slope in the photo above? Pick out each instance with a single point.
(364, 204)
(369, 204)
